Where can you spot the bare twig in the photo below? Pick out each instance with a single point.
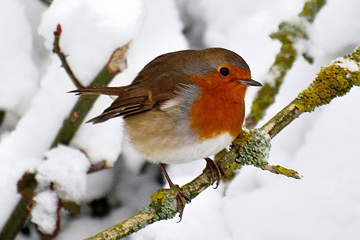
(61, 55)
(66, 133)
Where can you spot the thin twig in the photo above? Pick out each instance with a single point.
(333, 81)
(64, 136)
(282, 171)
(61, 55)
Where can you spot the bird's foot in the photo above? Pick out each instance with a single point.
(181, 199)
(215, 167)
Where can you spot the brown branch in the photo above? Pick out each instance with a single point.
(332, 81)
(17, 219)
(61, 55)
(66, 133)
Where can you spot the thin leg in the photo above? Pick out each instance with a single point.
(163, 169)
(180, 195)
(211, 165)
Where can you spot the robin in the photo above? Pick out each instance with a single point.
(182, 106)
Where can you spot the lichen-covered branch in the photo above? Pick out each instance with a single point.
(277, 169)
(334, 80)
(251, 146)
(311, 8)
(69, 128)
(289, 34)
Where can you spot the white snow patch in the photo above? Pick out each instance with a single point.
(92, 30)
(66, 169)
(18, 75)
(347, 63)
(44, 213)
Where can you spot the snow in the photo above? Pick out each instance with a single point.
(65, 168)
(16, 62)
(322, 146)
(44, 213)
(346, 63)
(257, 150)
(91, 31)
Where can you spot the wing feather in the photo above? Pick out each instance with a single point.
(149, 90)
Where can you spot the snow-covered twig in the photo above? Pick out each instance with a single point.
(334, 80)
(65, 134)
(290, 34)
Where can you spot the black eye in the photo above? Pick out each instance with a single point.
(224, 71)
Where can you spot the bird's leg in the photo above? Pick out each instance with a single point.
(180, 196)
(213, 166)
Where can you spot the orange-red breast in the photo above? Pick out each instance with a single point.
(182, 106)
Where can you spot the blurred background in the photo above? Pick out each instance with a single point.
(323, 146)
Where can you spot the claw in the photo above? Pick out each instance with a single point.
(213, 166)
(181, 203)
(180, 196)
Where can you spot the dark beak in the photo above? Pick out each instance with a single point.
(251, 82)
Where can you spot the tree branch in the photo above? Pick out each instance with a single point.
(17, 219)
(332, 81)
(61, 55)
(289, 34)
(66, 133)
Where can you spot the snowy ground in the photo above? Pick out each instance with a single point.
(323, 146)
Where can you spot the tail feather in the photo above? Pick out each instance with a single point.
(127, 103)
(112, 91)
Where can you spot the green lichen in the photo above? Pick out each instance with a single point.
(355, 56)
(311, 8)
(162, 203)
(283, 171)
(241, 139)
(230, 172)
(143, 224)
(265, 97)
(332, 81)
(255, 149)
(290, 32)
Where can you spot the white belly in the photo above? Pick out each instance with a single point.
(191, 152)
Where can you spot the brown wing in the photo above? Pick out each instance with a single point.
(142, 95)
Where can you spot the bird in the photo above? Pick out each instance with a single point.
(181, 107)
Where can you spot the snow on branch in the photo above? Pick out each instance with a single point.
(293, 37)
(334, 80)
(27, 184)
